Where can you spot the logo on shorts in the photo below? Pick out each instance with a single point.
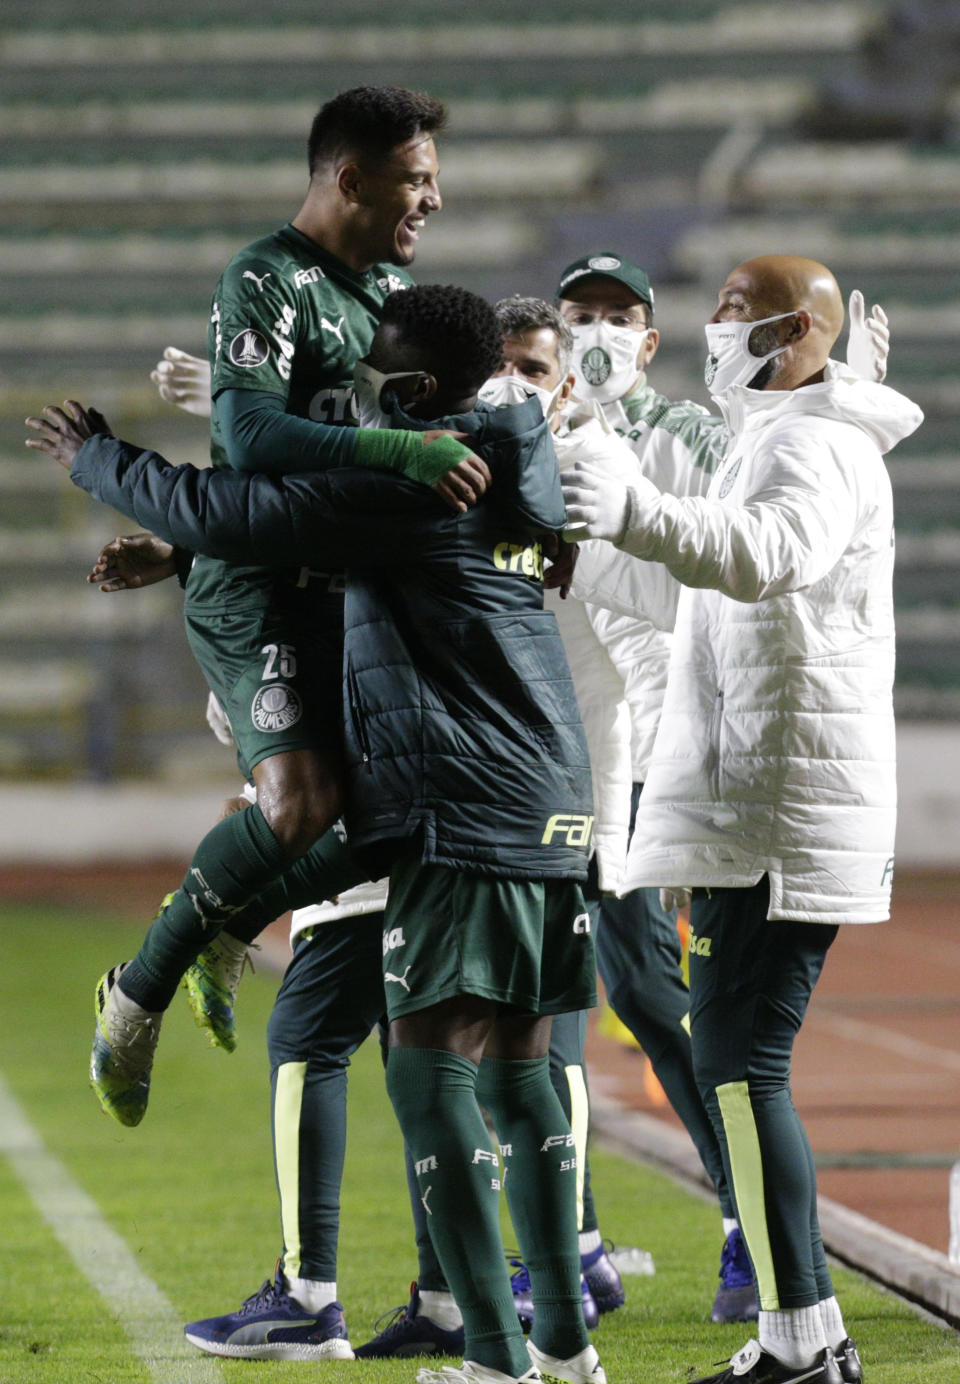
(393, 938)
(399, 980)
(276, 708)
(700, 946)
(595, 366)
(249, 349)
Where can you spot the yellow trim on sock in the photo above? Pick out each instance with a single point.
(287, 1104)
(580, 1124)
(746, 1168)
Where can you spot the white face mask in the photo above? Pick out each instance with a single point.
(368, 385)
(605, 360)
(513, 389)
(730, 361)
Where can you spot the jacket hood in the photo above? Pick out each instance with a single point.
(517, 445)
(885, 415)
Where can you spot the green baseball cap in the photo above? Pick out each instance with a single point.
(608, 266)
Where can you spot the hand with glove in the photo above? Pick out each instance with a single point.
(598, 503)
(868, 344)
(183, 380)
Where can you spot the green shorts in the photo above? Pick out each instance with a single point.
(276, 671)
(524, 943)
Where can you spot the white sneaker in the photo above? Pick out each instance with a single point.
(584, 1368)
(472, 1373)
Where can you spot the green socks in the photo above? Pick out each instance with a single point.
(540, 1172)
(458, 1180)
(235, 860)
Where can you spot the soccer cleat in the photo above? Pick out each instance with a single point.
(211, 984)
(271, 1325)
(523, 1298)
(472, 1373)
(584, 1368)
(736, 1299)
(851, 1371)
(753, 1365)
(411, 1334)
(124, 1042)
(603, 1280)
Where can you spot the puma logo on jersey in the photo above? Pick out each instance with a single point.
(574, 827)
(329, 327)
(700, 946)
(399, 980)
(249, 274)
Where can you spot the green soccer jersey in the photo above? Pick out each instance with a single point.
(288, 319)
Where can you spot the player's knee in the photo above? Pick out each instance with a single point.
(298, 818)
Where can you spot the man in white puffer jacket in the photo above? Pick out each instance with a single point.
(772, 785)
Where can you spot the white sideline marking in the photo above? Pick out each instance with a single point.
(101, 1255)
(913, 1049)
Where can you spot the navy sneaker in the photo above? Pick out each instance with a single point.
(411, 1334)
(736, 1299)
(849, 1361)
(523, 1298)
(603, 1280)
(753, 1365)
(271, 1325)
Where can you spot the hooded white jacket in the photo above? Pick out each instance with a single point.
(775, 752)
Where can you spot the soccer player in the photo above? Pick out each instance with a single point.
(771, 787)
(468, 772)
(291, 315)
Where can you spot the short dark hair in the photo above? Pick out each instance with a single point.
(517, 315)
(457, 331)
(370, 121)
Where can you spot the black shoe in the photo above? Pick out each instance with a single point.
(851, 1371)
(410, 1334)
(736, 1299)
(752, 1365)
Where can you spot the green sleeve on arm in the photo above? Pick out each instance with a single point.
(259, 435)
(407, 453)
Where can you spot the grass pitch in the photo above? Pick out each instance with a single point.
(191, 1193)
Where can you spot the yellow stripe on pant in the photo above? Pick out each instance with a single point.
(746, 1168)
(287, 1105)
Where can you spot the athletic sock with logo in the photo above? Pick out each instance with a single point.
(458, 1179)
(430, 1276)
(235, 860)
(540, 1170)
(327, 869)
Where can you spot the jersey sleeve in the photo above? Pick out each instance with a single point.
(253, 329)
